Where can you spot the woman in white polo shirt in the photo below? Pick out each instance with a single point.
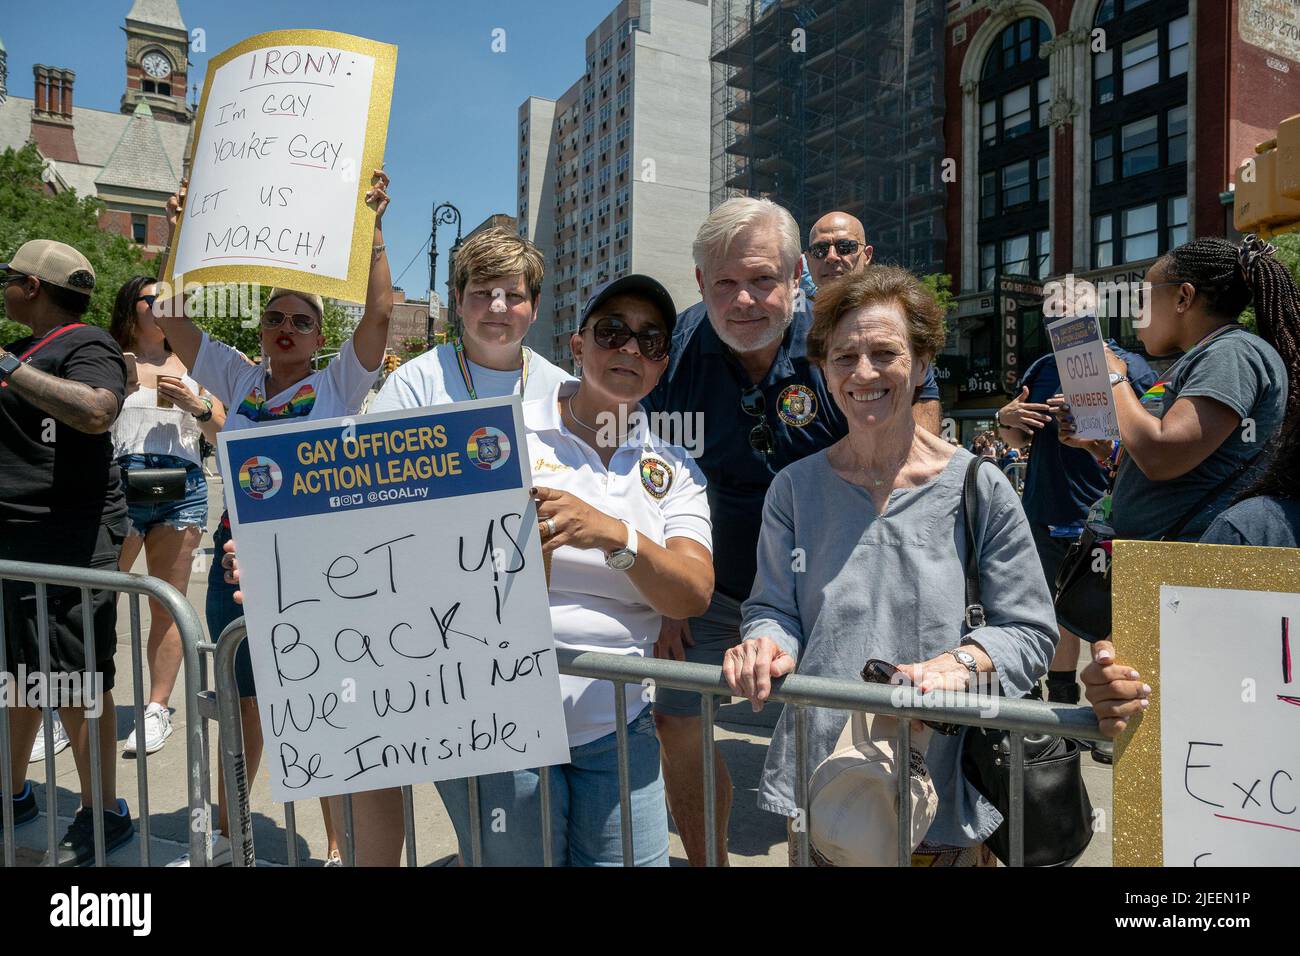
(625, 521)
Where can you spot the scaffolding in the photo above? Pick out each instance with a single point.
(835, 104)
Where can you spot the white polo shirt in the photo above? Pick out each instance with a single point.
(434, 378)
(659, 490)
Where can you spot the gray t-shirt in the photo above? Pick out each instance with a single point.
(1238, 369)
(890, 587)
(1262, 521)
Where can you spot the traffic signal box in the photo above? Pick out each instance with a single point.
(1267, 200)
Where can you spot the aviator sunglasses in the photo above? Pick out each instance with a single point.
(843, 247)
(613, 334)
(301, 321)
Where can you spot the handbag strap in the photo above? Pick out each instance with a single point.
(974, 616)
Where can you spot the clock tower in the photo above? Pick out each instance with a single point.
(157, 60)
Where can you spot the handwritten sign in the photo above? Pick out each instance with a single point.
(290, 126)
(1085, 380)
(1229, 723)
(1209, 774)
(394, 593)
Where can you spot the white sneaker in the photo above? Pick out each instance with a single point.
(157, 728)
(334, 859)
(60, 740)
(221, 854)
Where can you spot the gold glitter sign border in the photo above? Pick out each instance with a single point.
(1139, 570)
(353, 288)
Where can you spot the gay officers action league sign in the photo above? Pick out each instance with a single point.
(395, 598)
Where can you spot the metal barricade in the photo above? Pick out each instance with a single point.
(1015, 472)
(191, 635)
(1019, 717)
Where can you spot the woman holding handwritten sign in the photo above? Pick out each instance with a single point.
(625, 524)
(283, 387)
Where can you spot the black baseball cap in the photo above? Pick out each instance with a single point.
(634, 284)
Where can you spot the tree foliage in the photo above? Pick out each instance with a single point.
(29, 211)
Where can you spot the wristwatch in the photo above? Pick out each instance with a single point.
(967, 660)
(1116, 378)
(206, 416)
(9, 364)
(623, 558)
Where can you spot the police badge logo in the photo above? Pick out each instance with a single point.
(488, 448)
(260, 477)
(656, 476)
(797, 405)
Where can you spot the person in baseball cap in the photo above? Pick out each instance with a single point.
(638, 285)
(61, 503)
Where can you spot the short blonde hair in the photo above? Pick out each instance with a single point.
(922, 314)
(725, 223)
(497, 252)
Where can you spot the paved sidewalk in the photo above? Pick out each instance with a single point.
(757, 838)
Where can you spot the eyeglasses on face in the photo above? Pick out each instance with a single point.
(151, 298)
(302, 323)
(612, 334)
(761, 437)
(11, 277)
(843, 247)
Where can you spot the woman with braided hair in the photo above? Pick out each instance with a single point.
(1232, 387)
(1194, 439)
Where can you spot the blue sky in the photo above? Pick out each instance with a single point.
(452, 132)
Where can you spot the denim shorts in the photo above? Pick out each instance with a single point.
(189, 512)
(586, 820)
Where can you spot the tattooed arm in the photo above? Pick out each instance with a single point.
(87, 409)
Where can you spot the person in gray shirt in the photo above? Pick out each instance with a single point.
(863, 548)
(1195, 439)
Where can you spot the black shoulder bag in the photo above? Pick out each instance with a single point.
(1057, 811)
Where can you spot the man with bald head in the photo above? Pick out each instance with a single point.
(837, 246)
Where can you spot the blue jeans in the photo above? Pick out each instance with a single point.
(586, 826)
(221, 609)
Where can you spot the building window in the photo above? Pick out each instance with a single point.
(988, 195)
(1044, 176)
(1179, 41)
(1044, 100)
(1176, 131)
(149, 86)
(988, 265)
(1016, 117)
(1015, 256)
(1103, 242)
(1176, 216)
(1140, 234)
(921, 177)
(1019, 44)
(1044, 254)
(1015, 184)
(1139, 147)
(1103, 73)
(989, 121)
(1141, 61)
(140, 230)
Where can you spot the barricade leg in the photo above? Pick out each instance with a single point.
(624, 774)
(801, 782)
(92, 730)
(707, 704)
(141, 757)
(231, 745)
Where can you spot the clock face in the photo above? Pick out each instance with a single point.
(156, 65)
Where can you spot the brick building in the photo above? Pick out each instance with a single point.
(1091, 137)
(131, 159)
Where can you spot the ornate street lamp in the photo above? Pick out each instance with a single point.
(445, 214)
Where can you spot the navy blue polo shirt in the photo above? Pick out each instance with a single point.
(1062, 483)
(704, 377)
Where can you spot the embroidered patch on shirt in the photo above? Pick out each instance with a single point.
(542, 464)
(656, 476)
(797, 405)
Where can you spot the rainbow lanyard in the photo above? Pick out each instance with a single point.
(469, 377)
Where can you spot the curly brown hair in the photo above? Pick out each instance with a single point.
(922, 314)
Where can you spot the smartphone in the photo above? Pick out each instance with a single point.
(882, 672)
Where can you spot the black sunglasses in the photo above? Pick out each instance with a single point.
(11, 277)
(843, 247)
(151, 298)
(761, 437)
(612, 334)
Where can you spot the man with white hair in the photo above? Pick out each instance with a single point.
(738, 362)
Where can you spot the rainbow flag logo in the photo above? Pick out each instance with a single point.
(488, 448)
(1154, 397)
(260, 477)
